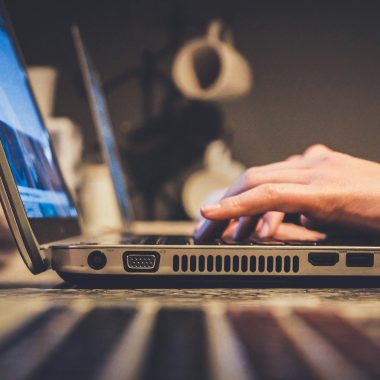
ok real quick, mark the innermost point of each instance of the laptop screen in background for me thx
(103, 126)
(26, 141)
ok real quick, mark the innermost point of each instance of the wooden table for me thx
(50, 330)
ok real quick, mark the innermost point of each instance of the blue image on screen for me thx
(26, 141)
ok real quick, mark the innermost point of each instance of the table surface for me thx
(183, 333)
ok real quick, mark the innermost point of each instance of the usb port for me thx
(323, 259)
(359, 259)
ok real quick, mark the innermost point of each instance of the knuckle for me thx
(237, 203)
(321, 146)
(271, 191)
(331, 158)
(248, 176)
(317, 151)
(317, 148)
(232, 203)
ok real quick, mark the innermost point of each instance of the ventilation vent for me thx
(236, 263)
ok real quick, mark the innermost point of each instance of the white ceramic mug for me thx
(210, 68)
(43, 80)
(100, 210)
(68, 146)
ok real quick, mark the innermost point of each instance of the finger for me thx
(254, 178)
(245, 227)
(259, 224)
(261, 199)
(292, 162)
(288, 231)
(300, 176)
(271, 222)
(229, 231)
(210, 230)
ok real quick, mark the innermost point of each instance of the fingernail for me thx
(263, 231)
(320, 236)
(211, 208)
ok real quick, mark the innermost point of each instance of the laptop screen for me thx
(26, 141)
(103, 126)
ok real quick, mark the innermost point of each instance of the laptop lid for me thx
(103, 126)
(35, 198)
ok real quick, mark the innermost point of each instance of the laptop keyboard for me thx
(188, 240)
(156, 240)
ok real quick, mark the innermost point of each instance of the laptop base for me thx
(93, 281)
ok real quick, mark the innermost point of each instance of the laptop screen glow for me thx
(26, 141)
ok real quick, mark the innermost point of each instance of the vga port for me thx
(142, 261)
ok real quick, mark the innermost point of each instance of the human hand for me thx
(323, 186)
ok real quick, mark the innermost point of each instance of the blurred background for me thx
(316, 80)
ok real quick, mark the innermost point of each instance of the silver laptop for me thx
(45, 225)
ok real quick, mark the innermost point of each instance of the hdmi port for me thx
(323, 259)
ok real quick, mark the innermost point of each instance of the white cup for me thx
(100, 210)
(210, 68)
(43, 80)
(68, 146)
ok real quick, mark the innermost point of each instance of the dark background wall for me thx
(316, 65)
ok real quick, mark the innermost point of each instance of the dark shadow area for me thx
(197, 282)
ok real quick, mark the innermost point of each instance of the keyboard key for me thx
(176, 240)
(266, 241)
(209, 242)
(301, 242)
(151, 240)
(132, 239)
(230, 241)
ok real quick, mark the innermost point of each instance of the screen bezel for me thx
(44, 229)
